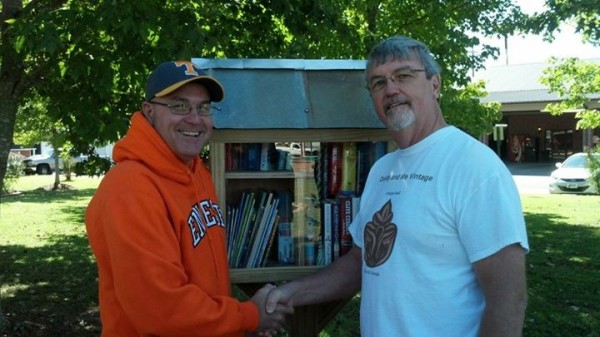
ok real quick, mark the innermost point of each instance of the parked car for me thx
(44, 163)
(573, 176)
(295, 149)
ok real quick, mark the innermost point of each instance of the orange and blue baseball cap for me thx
(170, 76)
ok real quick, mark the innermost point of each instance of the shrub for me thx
(594, 162)
(93, 166)
(14, 170)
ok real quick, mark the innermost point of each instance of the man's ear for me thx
(147, 111)
(436, 83)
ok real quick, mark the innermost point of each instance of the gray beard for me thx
(397, 121)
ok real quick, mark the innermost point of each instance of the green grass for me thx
(48, 283)
(47, 273)
(563, 267)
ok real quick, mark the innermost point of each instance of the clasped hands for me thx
(273, 305)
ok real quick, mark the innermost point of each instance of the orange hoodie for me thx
(158, 235)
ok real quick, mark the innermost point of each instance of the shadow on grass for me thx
(39, 196)
(50, 290)
(563, 269)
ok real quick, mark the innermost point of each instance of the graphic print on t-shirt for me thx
(380, 235)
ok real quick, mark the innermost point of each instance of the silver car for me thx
(573, 175)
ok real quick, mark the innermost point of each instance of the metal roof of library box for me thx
(291, 93)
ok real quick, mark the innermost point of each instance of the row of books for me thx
(252, 225)
(343, 168)
(260, 225)
(256, 157)
(336, 216)
(341, 174)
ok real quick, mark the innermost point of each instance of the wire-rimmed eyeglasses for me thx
(399, 76)
(184, 108)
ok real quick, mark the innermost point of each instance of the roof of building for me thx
(519, 83)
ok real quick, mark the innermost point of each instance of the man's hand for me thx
(273, 320)
(278, 296)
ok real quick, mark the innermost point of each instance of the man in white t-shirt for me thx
(440, 239)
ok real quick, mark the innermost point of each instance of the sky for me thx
(532, 48)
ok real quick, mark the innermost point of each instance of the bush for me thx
(2, 320)
(93, 166)
(14, 170)
(594, 162)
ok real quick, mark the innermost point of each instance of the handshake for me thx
(273, 305)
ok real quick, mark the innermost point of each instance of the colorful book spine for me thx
(267, 254)
(285, 243)
(327, 221)
(285, 240)
(348, 181)
(252, 157)
(322, 171)
(265, 157)
(334, 178)
(345, 220)
(335, 229)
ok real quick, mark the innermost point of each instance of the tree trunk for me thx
(10, 75)
(56, 169)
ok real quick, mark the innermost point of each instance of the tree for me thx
(573, 80)
(33, 126)
(583, 13)
(89, 59)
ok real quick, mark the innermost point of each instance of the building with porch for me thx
(532, 134)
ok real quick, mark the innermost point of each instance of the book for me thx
(334, 172)
(233, 228)
(269, 249)
(248, 214)
(335, 228)
(237, 156)
(285, 241)
(322, 171)
(327, 221)
(282, 158)
(348, 179)
(252, 156)
(253, 228)
(379, 150)
(262, 226)
(363, 165)
(355, 206)
(265, 157)
(345, 220)
(264, 235)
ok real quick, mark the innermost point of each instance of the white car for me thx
(572, 176)
(45, 164)
(295, 149)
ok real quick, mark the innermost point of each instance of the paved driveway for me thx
(531, 178)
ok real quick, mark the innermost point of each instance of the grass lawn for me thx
(48, 279)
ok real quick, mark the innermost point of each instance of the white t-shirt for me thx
(427, 213)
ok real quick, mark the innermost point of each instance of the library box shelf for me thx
(280, 102)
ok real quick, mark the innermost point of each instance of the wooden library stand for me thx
(307, 321)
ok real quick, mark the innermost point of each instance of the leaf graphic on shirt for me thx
(380, 235)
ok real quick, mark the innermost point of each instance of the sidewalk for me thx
(531, 169)
(531, 178)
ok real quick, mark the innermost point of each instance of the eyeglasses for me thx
(399, 76)
(203, 109)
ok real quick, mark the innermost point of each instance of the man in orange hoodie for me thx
(156, 228)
